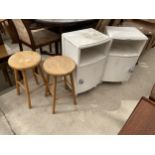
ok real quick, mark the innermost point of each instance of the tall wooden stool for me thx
(22, 61)
(60, 66)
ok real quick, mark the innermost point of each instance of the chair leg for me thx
(50, 48)
(26, 88)
(54, 93)
(34, 75)
(16, 80)
(41, 50)
(7, 75)
(20, 46)
(60, 47)
(56, 48)
(73, 88)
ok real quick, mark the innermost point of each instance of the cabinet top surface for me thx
(86, 37)
(125, 33)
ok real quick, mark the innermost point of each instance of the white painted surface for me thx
(89, 49)
(85, 38)
(127, 45)
(125, 33)
(89, 76)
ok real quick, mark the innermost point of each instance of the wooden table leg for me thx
(16, 80)
(54, 93)
(26, 88)
(73, 88)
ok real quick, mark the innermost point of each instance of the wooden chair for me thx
(3, 62)
(35, 38)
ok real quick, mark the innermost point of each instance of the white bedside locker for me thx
(89, 49)
(127, 45)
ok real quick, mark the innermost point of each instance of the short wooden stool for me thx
(21, 61)
(60, 66)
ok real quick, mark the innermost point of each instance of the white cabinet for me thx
(89, 49)
(127, 45)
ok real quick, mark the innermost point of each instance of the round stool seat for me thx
(59, 65)
(24, 60)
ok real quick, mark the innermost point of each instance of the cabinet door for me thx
(89, 76)
(119, 69)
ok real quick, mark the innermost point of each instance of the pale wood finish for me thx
(54, 93)
(35, 76)
(59, 65)
(73, 87)
(27, 88)
(16, 80)
(47, 92)
(24, 60)
(44, 80)
(65, 81)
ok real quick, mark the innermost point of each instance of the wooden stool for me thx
(60, 66)
(21, 61)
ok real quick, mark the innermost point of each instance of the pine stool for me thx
(22, 61)
(60, 66)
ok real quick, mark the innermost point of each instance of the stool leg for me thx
(65, 82)
(47, 91)
(26, 88)
(44, 80)
(54, 93)
(34, 75)
(16, 80)
(73, 88)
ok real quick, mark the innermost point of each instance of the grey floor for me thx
(103, 110)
